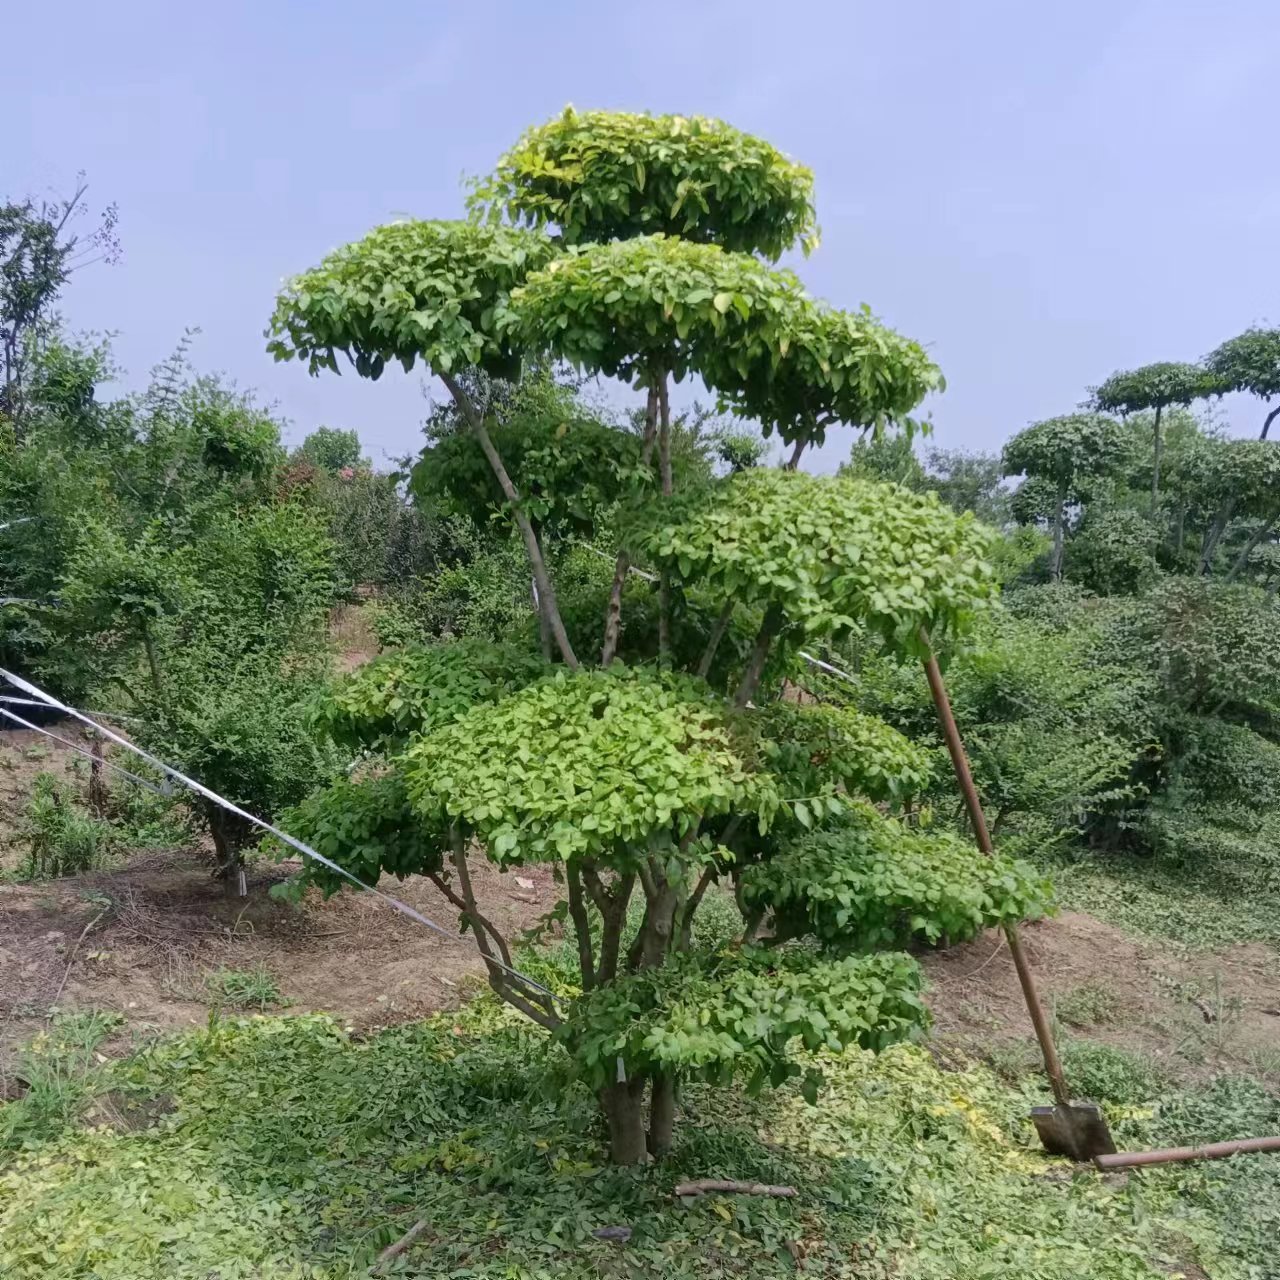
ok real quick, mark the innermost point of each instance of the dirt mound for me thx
(1198, 1013)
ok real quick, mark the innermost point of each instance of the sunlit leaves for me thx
(606, 175)
(587, 764)
(435, 291)
(833, 553)
(635, 308)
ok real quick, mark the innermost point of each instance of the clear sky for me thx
(1041, 193)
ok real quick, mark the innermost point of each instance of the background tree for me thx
(1250, 362)
(332, 449)
(1155, 387)
(1065, 453)
(39, 249)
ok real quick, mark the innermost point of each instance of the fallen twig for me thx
(701, 1186)
(66, 973)
(396, 1249)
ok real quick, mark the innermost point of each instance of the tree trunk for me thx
(544, 623)
(1059, 523)
(1271, 417)
(794, 461)
(623, 1107)
(1243, 558)
(546, 592)
(581, 923)
(1155, 464)
(613, 614)
(662, 1114)
(713, 641)
(664, 467)
(1214, 534)
(769, 628)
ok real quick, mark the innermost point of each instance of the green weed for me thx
(61, 838)
(1088, 1005)
(53, 1079)
(244, 988)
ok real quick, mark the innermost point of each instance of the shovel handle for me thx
(978, 820)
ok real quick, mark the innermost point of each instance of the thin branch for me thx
(701, 1186)
(691, 907)
(664, 466)
(546, 591)
(613, 612)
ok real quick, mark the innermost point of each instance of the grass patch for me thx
(1142, 896)
(244, 988)
(285, 1149)
(1088, 1005)
(53, 1079)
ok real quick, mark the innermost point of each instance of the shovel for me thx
(1075, 1129)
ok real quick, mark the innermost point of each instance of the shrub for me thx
(61, 837)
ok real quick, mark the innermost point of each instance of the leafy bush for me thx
(1105, 1073)
(61, 838)
(873, 882)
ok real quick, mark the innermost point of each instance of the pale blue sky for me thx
(1040, 193)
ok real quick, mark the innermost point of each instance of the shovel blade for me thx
(1078, 1130)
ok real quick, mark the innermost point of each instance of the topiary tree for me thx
(1065, 453)
(1249, 362)
(646, 783)
(1154, 386)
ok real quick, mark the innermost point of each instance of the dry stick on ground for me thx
(702, 1186)
(393, 1251)
(84, 933)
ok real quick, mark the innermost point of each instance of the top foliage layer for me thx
(430, 290)
(1067, 448)
(606, 175)
(1248, 362)
(833, 554)
(1167, 382)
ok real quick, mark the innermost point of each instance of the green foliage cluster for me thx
(873, 882)
(755, 1014)
(415, 689)
(585, 765)
(816, 749)
(832, 555)
(436, 291)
